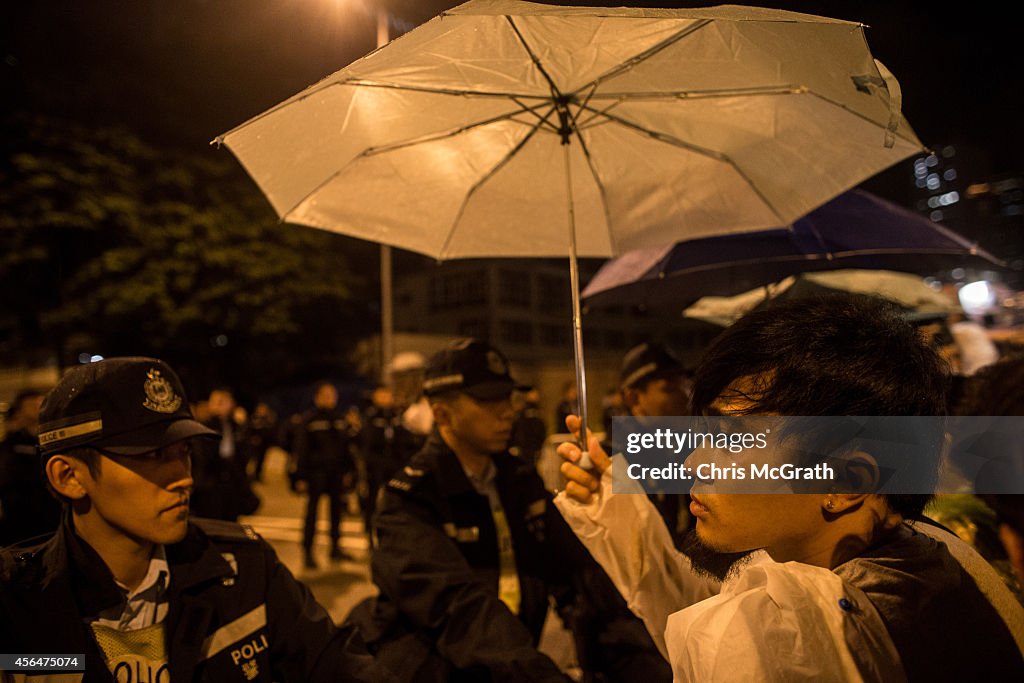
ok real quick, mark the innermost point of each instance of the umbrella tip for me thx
(219, 140)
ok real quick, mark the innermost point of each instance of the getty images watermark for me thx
(772, 454)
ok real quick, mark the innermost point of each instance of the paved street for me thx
(339, 586)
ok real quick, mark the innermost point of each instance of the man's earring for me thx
(829, 504)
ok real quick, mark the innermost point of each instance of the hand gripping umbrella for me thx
(508, 128)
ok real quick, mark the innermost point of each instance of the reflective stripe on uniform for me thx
(64, 433)
(508, 578)
(234, 631)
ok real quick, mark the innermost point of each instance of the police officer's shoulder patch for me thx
(222, 530)
(412, 478)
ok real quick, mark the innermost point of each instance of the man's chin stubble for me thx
(709, 562)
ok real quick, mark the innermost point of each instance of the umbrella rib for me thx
(595, 114)
(373, 84)
(654, 49)
(860, 116)
(717, 156)
(487, 176)
(439, 91)
(579, 110)
(815, 257)
(818, 236)
(555, 92)
(531, 110)
(782, 89)
(811, 257)
(661, 137)
(601, 189)
(372, 151)
(370, 84)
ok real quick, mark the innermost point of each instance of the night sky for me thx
(178, 73)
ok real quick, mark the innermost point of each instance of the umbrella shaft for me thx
(577, 318)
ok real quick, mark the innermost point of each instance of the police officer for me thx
(222, 488)
(325, 467)
(469, 544)
(128, 581)
(528, 429)
(654, 384)
(26, 507)
(385, 444)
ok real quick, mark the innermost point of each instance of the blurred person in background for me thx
(654, 383)
(612, 406)
(998, 390)
(324, 467)
(406, 377)
(386, 445)
(26, 507)
(528, 429)
(222, 489)
(261, 435)
(567, 406)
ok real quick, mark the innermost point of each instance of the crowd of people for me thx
(144, 570)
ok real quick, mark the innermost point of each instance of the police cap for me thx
(128, 406)
(472, 367)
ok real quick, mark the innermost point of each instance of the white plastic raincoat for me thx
(768, 622)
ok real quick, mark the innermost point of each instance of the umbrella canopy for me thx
(500, 126)
(855, 230)
(909, 291)
(677, 123)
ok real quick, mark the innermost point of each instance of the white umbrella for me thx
(909, 291)
(508, 128)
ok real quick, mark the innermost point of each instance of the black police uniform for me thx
(528, 434)
(385, 444)
(235, 611)
(324, 460)
(438, 617)
(26, 508)
(222, 488)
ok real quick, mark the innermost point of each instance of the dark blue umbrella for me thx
(855, 230)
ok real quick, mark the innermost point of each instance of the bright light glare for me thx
(976, 297)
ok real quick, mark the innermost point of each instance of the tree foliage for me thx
(142, 250)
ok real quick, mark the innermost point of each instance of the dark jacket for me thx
(437, 566)
(222, 489)
(26, 507)
(323, 449)
(386, 444)
(231, 603)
